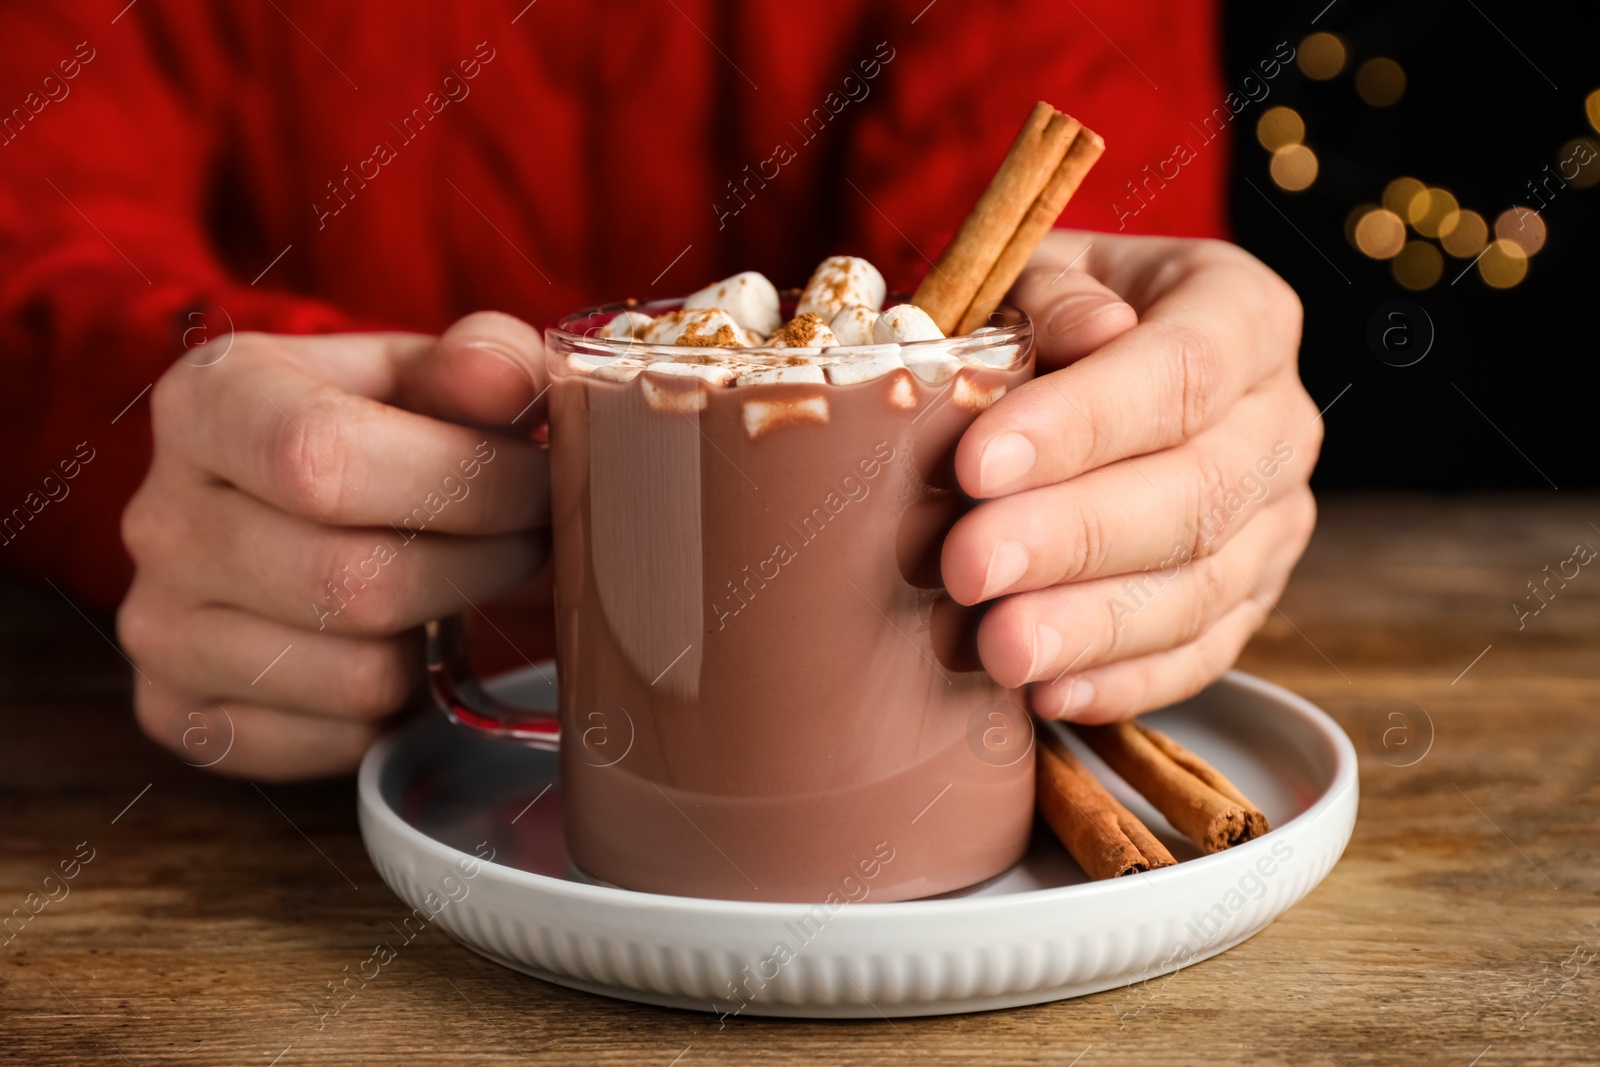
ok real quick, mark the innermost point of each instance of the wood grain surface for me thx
(1461, 927)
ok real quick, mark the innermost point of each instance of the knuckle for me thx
(1208, 594)
(1274, 301)
(1281, 305)
(1314, 428)
(1212, 485)
(1114, 624)
(367, 596)
(1212, 254)
(139, 628)
(306, 461)
(1270, 299)
(146, 533)
(1316, 432)
(1088, 549)
(1195, 379)
(1303, 520)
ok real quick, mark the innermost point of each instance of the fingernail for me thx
(499, 350)
(1046, 648)
(1073, 312)
(1007, 564)
(1006, 458)
(1079, 694)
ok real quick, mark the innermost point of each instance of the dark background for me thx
(1481, 119)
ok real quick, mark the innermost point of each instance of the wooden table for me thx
(1461, 927)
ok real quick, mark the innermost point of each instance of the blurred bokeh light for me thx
(1321, 56)
(1381, 82)
(1503, 264)
(1397, 195)
(1579, 157)
(1380, 233)
(1432, 212)
(1418, 266)
(1467, 237)
(1279, 127)
(1522, 227)
(1294, 167)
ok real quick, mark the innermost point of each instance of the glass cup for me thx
(764, 692)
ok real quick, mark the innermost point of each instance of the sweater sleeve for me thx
(112, 132)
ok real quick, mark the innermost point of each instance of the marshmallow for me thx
(992, 355)
(779, 357)
(806, 330)
(989, 351)
(626, 324)
(697, 327)
(625, 369)
(592, 362)
(863, 364)
(584, 362)
(748, 297)
(763, 415)
(905, 322)
(902, 394)
(840, 282)
(715, 373)
(935, 369)
(680, 399)
(974, 397)
(853, 325)
(809, 375)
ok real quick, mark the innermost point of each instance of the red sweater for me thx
(300, 167)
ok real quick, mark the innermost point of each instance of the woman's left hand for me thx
(1145, 497)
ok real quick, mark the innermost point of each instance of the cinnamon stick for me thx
(1106, 839)
(947, 291)
(1083, 153)
(1193, 796)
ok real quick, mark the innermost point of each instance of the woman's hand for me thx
(310, 501)
(1145, 497)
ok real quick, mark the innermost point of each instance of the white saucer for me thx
(433, 795)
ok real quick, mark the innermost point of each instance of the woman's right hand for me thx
(311, 501)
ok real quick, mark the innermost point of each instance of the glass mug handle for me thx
(462, 697)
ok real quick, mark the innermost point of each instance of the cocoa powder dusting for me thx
(798, 332)
(723, 338)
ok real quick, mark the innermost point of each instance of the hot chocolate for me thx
(765, 694)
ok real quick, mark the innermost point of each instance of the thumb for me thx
(486, 370)
(1073, 312)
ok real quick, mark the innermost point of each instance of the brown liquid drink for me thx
(765, 693)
